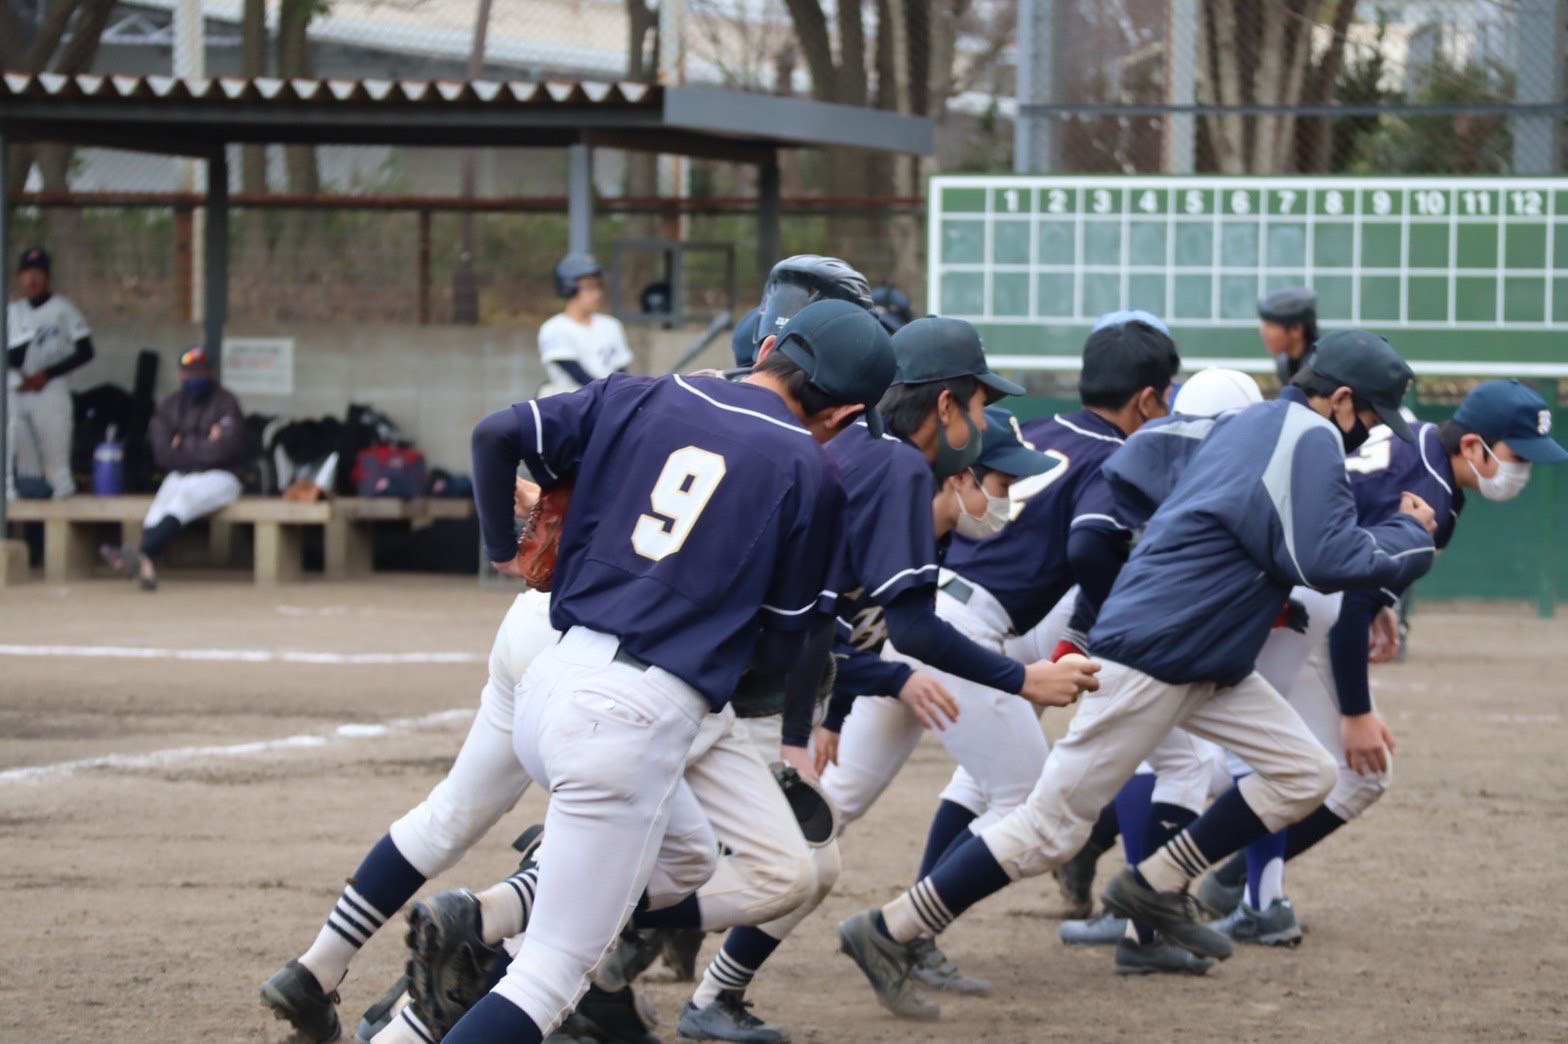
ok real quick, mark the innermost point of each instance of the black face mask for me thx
(1354, 437)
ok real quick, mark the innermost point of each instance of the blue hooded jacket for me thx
(1261, 505)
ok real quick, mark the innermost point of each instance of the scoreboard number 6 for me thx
(688, 481)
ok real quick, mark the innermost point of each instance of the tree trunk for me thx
(294, 17)
(811, 28)
(1317, 136)
(253, 64)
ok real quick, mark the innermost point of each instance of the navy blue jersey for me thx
(1025, 566)
(890, 544)
(702, 514)
(1385, 466)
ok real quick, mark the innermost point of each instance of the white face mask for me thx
(978, 527)
(1508, 483)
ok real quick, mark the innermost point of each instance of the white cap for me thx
(1213, 391)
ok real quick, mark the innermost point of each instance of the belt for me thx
(959, 590)
(622, 656)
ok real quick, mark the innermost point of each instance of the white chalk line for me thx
(176, 755)
(120, 652)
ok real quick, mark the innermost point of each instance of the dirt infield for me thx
(152, 876)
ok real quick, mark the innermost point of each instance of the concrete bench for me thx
(278, 528)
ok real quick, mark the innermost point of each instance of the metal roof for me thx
(199, 116)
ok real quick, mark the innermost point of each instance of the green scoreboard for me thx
(1464, 275)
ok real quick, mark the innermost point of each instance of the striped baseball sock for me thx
(735, 965)
(380, 886)
(1228, 825)
(504, 909)
(962, 879)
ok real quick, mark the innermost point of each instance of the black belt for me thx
(959, 590)
(622, 656)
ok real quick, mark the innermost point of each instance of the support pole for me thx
(1181, 73)
(579, 199)
(1546, 563)
(1034, 147)
(216, 260)
(5, 337)
(424, 267)
(768, 247)
(1538, 51)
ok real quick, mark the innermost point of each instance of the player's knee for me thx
(1353, 793)
(1318, 784)
(784, 885)
(829, 864)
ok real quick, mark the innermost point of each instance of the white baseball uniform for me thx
(39, 427)
(598, 346)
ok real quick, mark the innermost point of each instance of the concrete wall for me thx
(436, 382)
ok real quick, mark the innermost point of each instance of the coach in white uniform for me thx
(579, 345)
(48, 339)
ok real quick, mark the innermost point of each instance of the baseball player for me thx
(1500, 429)
(651, 646)
(48, 339)
(199, 437)
(1263, 505)
(579, 345)
(1288, 324)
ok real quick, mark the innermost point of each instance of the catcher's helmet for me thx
(797, 281)
(571, 268)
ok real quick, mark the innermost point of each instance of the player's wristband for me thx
(1063, 648)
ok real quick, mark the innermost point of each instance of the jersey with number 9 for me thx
(702, 512)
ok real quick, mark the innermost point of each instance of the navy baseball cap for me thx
(939, 349)
(34, 257)
(1122, 316)
(1511, 412)
(1290, 306)
(1368, 365)
(1002, 447)
(845, 352)
(743, 341)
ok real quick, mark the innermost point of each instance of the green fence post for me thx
(1546, 564)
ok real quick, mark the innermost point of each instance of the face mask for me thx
(1508, 483)
(978, 527)
(998, 511)
(1354, 437)
(196, 387)
(951, 460)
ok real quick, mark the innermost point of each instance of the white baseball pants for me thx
(39, 434)
(1125, 722)
(189, 495)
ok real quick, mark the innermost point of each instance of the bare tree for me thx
(294, 18)
(253, 64)
(48, 49)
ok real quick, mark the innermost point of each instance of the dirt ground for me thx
(152, 876)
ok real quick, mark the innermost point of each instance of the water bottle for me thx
(109, 466)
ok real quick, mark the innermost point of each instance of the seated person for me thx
(198, 436)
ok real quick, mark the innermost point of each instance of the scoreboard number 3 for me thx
(684, 487)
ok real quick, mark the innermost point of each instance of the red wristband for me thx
(1064, 647)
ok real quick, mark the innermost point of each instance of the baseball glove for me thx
(541, 539)
(814, 810)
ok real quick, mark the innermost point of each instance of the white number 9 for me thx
(688, 480)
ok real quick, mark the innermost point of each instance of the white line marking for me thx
(118, 652)
(165, 758)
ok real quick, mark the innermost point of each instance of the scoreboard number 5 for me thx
(688, 481)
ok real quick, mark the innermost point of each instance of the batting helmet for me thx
(571, 268)
(797, 281)
(743, 342)
(891, 301)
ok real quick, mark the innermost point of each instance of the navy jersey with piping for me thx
(1026, 566)
(702, 514)
(1264, 504)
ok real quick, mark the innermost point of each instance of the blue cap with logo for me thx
(34, 257)
(1122, 316)
(1002, 447)
(1510, 411)
(937, 348)
(845, 352)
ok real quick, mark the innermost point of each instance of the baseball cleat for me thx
(729, 1018)
(887, 965)
(1105, 930)
(1276, 926)
(1218, 898)
(634, 952)
(382, 1012)
(1076, 880)
(621, 1016)
(297, 998)
(1158, 957)
(448, 962)
(933, 968)
(680, 947)
(1172, 914)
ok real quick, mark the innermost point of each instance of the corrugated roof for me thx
(226, 89)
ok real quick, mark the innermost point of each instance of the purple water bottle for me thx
(109, 466)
